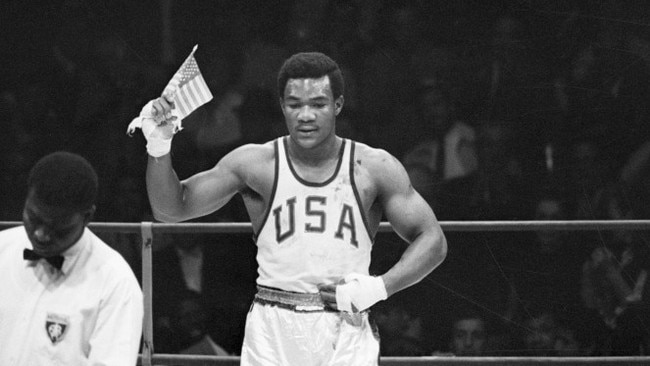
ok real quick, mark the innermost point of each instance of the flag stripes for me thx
(191, 90)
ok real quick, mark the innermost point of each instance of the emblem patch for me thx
(56, 326)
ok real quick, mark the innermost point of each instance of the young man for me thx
(469, 335)
(67, 297)
(315, 201)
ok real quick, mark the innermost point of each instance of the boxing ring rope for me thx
(197, 360)
(147, 231)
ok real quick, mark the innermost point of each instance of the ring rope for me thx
(200, 360)
(458, 226)
(147, 230)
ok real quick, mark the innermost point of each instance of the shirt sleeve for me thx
(117, 333)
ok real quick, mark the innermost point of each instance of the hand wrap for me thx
(359, 292)
(157, 131)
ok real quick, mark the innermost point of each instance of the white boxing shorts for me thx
(287, 329)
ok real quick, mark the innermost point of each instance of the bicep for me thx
(408, 213)
(208, 191)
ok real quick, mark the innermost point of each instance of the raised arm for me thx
(412, 219)
(173, 200)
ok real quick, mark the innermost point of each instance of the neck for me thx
(316, 156)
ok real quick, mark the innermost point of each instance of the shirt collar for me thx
(71, 255)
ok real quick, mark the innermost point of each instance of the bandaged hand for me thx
(359, 292)
(159, 122)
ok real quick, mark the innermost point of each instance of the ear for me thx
(338, 105)
(89, 215)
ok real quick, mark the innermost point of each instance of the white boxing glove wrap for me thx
(157, 132)
(157, 144)
(359, 292)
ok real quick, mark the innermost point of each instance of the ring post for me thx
(146, 230)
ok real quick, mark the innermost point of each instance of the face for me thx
(52, 230)
(310, 111)
(469, 337)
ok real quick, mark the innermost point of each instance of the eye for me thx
(293, 105)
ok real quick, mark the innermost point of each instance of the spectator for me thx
(496, 189)
(401, 330)
(614, 282)
(469, 335)
(443, 143)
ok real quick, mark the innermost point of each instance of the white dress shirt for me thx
(88, 313)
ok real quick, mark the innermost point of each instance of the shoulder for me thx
(378, 163)
(250, 154)
(109, 263)
(256, 150)
(12, 239)
(13, 233)
(371, 155)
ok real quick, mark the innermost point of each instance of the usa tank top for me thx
(313, 232)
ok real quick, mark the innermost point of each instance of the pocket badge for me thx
(56, 327)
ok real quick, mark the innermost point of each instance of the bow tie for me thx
(56, 260)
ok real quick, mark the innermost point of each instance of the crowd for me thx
(514, 111)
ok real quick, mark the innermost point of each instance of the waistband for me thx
(296, 301)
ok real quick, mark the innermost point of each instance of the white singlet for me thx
(314, 232)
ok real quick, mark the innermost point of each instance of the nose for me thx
(305, 114)
(41, 234)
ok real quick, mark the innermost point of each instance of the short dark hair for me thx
(64, 180)
(311, 65)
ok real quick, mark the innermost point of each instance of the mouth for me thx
(306, 130)
(41, 247)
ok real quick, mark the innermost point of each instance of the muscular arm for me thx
(173, 200)
(413, 219)
(385, 182)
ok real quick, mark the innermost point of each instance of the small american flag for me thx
(189, 87)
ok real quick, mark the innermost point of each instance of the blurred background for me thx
(499, 110)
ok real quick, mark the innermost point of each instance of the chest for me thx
(50, 307)
(313, 201)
